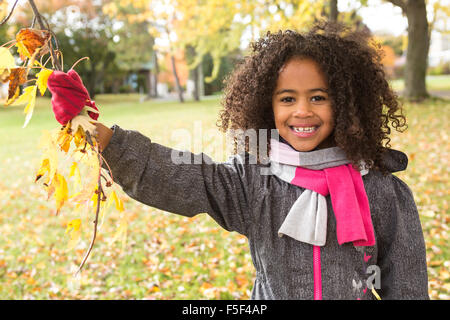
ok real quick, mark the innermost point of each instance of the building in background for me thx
(439, 49)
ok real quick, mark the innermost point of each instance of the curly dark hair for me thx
(362, 100)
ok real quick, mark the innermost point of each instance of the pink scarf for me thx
(329, 177)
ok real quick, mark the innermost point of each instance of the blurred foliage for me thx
(227, 63)
(442, 68)
(119, 35)
(395, 42)
(86, 34)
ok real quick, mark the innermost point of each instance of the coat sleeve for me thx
(152, 174)
(401, 249)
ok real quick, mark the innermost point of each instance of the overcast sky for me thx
(378, 15)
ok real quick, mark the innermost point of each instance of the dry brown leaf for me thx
(17, 77)
(29, 40)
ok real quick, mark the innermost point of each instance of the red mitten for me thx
(69, 96)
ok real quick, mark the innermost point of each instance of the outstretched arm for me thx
(146, 172)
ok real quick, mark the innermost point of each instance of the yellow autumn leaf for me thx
(83, 121)
(111, 198)
(50, 188)
(64, 139)
(121, 232)
(61, 191)
(42, 79)
(74, 224)
(6, 59)
(30, 41)
(22, 50)
(75, 172)
(16, 78)
(75, 233)
(48, 144)
(74, 239)
(94, 199)
(45, 167)
(6, 64)
(85, 194)
(75, 195)
(28, 96)
(30, 106)
(13, 97)
(118, 202)
(79, 138)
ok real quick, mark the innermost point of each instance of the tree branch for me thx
(99, 199)
(9, 15)
(399, 3)
(42, 26)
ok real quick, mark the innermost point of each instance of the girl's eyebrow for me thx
(295, 91)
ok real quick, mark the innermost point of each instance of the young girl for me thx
(327, 219)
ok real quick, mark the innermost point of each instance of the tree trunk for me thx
(155, 75)
(417, 51)
(194, 74)
(196, 84)
(177, 80)
(116, 86)
(148, 82)
(333, 10)
(201, 81)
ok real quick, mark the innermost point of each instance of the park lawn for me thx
(434, 83)
(167, 256)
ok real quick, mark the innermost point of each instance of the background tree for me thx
(210, 27)
(195, 73)
(83, 30)
(417, 50)
(132, 42)
(334, 10)
(440, 17)
(213, 31)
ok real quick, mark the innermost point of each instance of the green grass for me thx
(434, 83)
(168, 256)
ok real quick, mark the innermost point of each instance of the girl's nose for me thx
(303, 109)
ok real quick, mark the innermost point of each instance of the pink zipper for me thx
(317, 274)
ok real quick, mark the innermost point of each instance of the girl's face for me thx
(301, 106)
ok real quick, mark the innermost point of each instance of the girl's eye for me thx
(287, 99)
(318, 98)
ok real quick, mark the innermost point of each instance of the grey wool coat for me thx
(240, 199)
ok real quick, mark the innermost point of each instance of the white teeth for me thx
(304, 129)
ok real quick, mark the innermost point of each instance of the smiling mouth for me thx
(304, 129)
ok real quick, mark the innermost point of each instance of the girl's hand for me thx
(69, 96)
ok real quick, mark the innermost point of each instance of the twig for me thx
(44, 64)
(42, 26)
(100, 191)
(33, 22)
(108, 183)
(81, 59)
(10, 41)
(109, 168)
(53, 35)
(9, 15)
(88, 138)
(99, 199)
